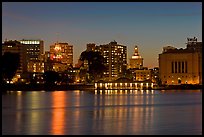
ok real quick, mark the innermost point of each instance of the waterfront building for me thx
(73, 73)
(115, 59)
(143, 74)
(155, 75)
(182, 66)
(62, 53)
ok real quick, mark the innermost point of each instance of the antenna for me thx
(57, 37)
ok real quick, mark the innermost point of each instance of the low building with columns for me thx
(181, 66)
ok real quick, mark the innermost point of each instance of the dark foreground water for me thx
(110, 112)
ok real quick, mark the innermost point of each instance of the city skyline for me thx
(150, 25)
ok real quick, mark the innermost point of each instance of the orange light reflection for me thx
(58, 113)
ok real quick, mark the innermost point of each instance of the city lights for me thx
(132, 68)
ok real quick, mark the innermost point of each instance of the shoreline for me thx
(50, 87)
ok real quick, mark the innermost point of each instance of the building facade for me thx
(62, 53)
(143, 74)
(115, 59)
(136, 61)
(34, 52)
(34, 49)
(36, 66)
(182, 66)
(139, 72)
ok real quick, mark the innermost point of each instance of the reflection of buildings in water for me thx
(122, 112)
(58, 113)
(32, 117)
(18, 114)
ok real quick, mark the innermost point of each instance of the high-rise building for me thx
(61, 54)
(34, 51)
(136, 61)
(34, 48)
(182, 66)
(16, 47)
(115, 59)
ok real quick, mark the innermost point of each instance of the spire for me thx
(136, 53)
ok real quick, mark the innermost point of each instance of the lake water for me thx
(123, 112)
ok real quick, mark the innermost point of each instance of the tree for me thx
(96, 65)
(51, 77)
(128, 74)
(10, 64)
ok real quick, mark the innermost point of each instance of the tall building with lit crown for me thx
(182, 66)
(115, 59)
(62, 54)
(136, 61)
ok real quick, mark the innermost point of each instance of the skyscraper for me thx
(115, 59)
(34, 51)
(34, 48)
(62, 52)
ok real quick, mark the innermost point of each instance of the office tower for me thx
(62, 52)
(115, 59)
(61, 55)
(34, 51)
(35, 48)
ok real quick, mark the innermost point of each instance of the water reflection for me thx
(102, 112)
(58, 113)
(123, 111)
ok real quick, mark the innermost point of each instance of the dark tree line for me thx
(10, 64)
(96, 65)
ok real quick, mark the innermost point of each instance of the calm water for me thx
(110, 112)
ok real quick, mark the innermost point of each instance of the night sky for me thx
(150, 26)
